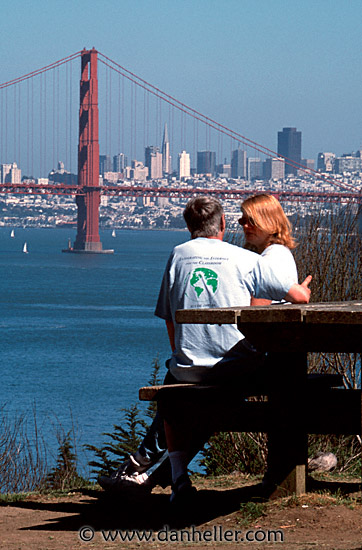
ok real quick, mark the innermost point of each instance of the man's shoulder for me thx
(187, 245)
(204, 247)
(237, 248)
(239, 251)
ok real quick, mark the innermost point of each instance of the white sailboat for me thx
(25, 248)
(12, 234)
(113, 233)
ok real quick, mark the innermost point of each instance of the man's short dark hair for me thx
(203, 216)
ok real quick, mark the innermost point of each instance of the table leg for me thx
(288, 442)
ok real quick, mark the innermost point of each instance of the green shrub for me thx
(227, 452)
(64, 476)
(124, 440)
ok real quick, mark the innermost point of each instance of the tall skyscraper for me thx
(166, 159)
(119, 162)
(4, 171)
(183, 166)
(255, 169)
(206, 162)
(153, 161)
(238, 164)
(290, 147)
(105, 164)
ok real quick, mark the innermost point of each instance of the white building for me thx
(156, 166)
(10, 173)
(274, 168)
(137, 171)
(183, 165)
(111, 177)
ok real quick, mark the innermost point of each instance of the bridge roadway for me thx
(180, 192)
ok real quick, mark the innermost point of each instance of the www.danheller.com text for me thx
(217, 533)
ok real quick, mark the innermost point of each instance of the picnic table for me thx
(294, 405)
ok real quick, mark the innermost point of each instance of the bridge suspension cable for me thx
(30, 119)
(40, 71)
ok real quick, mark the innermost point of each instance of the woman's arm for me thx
(259, 302)
(299, 294)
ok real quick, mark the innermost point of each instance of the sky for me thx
(255, 66)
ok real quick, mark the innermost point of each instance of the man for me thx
(203, 272)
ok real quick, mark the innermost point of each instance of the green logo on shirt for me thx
(201, 278)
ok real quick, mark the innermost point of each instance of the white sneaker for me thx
(132, 474)
(125, 482)
(136, 464)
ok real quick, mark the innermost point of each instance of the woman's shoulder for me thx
(277, 250)
(279, 258)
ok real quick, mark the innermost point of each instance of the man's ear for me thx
(222, 223)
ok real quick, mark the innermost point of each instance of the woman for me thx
(268, 232)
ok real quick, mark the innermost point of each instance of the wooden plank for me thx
(324, 313)
(210, 316)
(324, 414)
(293, 482)
(334, 411)
(150, 393)
(335, 316)
(215, 415)
(323, 410)
(303, 337)
(250, 314)
(271, 314)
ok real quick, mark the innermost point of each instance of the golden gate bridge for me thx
(87, 189)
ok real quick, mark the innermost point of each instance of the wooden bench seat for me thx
(326, 409)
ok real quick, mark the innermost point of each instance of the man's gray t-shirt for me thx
(203, 273)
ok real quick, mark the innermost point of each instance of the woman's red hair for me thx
(266, 212)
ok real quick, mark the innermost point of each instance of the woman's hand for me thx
(300, 294)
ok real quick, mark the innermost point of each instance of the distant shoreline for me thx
(129, 228)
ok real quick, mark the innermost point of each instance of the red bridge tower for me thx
(88, 196)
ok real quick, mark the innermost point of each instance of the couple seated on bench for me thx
(207, 272)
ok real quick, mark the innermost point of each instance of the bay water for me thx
(78, 333)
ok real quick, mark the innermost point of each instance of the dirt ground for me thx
(228, 513)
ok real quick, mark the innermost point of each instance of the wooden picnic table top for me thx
(321, 312)
(323, 326)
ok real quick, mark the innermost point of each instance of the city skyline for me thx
(157, 163)
(252, 66)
